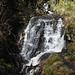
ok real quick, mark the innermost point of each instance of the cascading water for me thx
(42, 36)
(46, 6)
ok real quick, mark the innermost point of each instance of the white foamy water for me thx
(41, 37)
(45, 6)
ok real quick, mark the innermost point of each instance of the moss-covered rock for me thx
(71, 48)
(54, 66)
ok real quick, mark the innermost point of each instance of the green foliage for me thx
(64, 8)
(2, 63)
(54, 66)
(6, 68)
(53, 58)
(71, 48)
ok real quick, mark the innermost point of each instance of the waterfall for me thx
(44, 34)
(41, 37)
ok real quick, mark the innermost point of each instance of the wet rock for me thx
(50, 40)
(47, 23)
(68, 37)
(55, 25)
(51, 22)
(23, 33)
(56, 16)
(45, 56)
(42, 23)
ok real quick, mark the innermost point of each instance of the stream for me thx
(43, 35)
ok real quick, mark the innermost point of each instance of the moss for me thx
(65, 8)
(50, 72)
(8, 66)
(52, 58)
(71, 48)
(54, 66)
(57, 68)
(69, 58)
